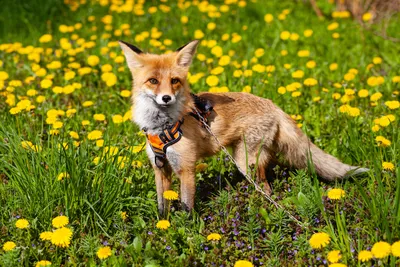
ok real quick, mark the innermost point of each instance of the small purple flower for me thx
(206, 248)
(105, 243)
(149, 232)
(167, 247)
(235, 232)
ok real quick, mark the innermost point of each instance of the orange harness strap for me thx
(160, 143)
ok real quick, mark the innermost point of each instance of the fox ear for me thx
(132, 55)
(186, 52)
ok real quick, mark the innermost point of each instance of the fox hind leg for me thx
(263, 160)
(251, 157)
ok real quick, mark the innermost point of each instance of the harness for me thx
(159, 143)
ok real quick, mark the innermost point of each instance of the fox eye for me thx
(174, 81)
(153, 81)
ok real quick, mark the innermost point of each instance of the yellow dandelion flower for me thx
(117, 119)
(163, 224)
(46, 235)
(124, 216)
(93, 60)
(364, 256)
(60, 221)
(198, 34)
(310, 82)
(45, 38)
(396, 249)
(285, 35)
(243, 263)
(354, 112)
(296, 94)
(62, 176)
(375, 97)
(62, 237)
(303, 53)
(104, 252)
(22, 223)
(9, 245)
(336, 193)
(388, 166)
(212, 80)
(281, 90)
(381, 250)
(298, 74)
(363, 93)
(99, 117)
(308, 33)
(384, 121)
(334, 256)
(125, 93)
(392, 104)
(268, 18)
(337, 265)
(319, 240)
(375, 128)
(3, 76)
(367, 16)
(333, 26)
(94, 135)
(214, 237)
(170, 195)
(43, 263)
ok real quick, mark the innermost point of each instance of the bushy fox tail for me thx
(299, 150)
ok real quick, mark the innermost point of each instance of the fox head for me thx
(161, 77)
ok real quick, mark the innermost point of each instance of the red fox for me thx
(254, 127)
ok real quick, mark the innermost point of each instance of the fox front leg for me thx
(163, 183)
(188, 188)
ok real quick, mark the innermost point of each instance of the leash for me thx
(248, 177)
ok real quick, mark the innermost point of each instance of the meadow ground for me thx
(77, 189)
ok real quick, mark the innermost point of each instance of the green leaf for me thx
(137, 244)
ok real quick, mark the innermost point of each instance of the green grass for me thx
(104, 181)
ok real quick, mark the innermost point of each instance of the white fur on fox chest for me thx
(149, 115)
(173, 157)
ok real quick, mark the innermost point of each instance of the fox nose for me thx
(166, 98)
